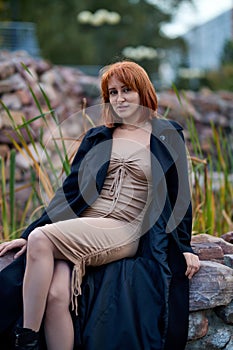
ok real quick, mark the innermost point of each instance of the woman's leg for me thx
(38, 276)
(59, 332)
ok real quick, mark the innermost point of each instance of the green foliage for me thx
(227, 55)
(64, 40)
(213, 189)
(211, 179)
(221, 79)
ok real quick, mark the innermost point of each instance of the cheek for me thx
(112, 100)
(136, 98)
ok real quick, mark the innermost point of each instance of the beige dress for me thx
(110, 229)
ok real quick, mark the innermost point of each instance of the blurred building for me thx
(204, 51)
(205, 42)
(19, 36)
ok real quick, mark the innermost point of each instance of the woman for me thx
(121, 202)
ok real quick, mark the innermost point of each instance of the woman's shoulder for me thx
(163, 124)
(97, 131)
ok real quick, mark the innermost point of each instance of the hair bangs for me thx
(135, 77)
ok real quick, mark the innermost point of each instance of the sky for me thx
(189, 16)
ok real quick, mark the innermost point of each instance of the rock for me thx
(7, 69)
(208, 251)
(42, 66)
(216, 118)
(218, 340)
(225, 313)
(230, 344)
(12, 101)
(13, 83)
(24, 96)
(5, 121)
(49, 77)
(203, 238)
(216, 329)
(198, 325)
(177, 109)
(212, 286)
(228, 260)
(228, 237)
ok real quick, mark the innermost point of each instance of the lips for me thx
(121, 108)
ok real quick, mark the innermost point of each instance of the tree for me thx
(64, 40)
(227, 55)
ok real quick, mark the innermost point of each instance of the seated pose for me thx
(109, 260)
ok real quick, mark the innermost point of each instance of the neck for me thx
(129, 126)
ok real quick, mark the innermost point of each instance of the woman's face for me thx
(124, 101)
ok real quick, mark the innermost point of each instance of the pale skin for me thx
(46, 286)
(46, 289)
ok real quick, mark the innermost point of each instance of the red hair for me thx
(135, 77)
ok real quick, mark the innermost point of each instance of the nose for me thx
(120, 97)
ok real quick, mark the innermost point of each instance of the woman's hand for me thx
(193, 264)
(18, 243)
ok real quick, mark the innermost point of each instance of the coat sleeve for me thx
(179, 194)
(60, 206)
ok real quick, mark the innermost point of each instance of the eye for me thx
(126, 89)
(112, 92)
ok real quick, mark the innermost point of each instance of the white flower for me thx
(85, 17)
(140, 52)
(113, 18)
(99, 18)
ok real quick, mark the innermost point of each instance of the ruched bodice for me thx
(127, 187)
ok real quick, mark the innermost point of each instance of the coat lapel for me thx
(163, 155)
(96, 163)
(94, 167)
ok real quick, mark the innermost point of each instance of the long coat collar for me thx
(158, 126)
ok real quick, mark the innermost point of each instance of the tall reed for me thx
(211, 175)
(212, 185)
(41, 170)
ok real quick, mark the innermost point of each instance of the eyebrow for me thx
(113, 88)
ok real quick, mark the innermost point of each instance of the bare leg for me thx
(59, 330)
(38, 276)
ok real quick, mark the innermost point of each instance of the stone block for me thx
(228, 260)
(225, 313)
(208, 251)
(217, 340)
(212, 286)
(204, 238)
(198, 325)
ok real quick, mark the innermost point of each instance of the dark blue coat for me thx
(138, 303)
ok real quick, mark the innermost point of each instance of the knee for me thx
(58, 297)
(38, 244)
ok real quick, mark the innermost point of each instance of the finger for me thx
(192, 270)
(3, 245)
(188, 271)
(20, 252)
(4, 250)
